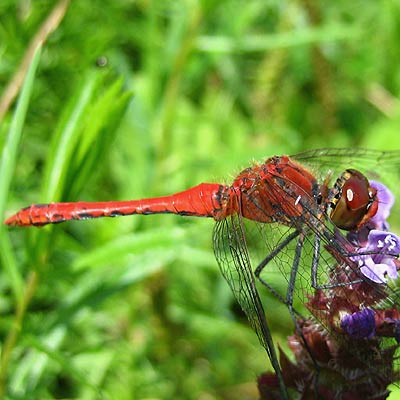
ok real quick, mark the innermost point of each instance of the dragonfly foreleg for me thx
(341, 258)
(315, 261)
(267, 259)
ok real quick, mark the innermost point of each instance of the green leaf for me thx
(7, 167)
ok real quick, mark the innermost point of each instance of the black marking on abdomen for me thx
(150, 212)
(116, 213)
(87, 216)
(57, 218)
(39, 224)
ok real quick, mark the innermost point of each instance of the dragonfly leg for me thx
(267, 259)
(315, 261)
(340, 258)
(289, 303)
(336, 252)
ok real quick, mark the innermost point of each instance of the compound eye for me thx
(356, 192)
(352, 207)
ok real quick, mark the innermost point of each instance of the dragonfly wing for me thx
(234, 261)
(350, 157)
(381, 166)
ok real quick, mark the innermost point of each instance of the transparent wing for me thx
(382, 166)
(233, 259)
(350, 158)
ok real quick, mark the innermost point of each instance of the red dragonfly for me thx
(287, 213)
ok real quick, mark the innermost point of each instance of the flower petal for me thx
(360, 324)
(385, 203)
(379, 273)
(376, 258)
(383, 242)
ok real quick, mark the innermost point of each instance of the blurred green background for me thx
(192, 91)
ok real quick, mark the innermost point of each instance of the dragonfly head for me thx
(353, 202)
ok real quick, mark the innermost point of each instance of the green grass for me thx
(194, 91)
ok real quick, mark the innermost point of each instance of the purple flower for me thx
(377, 258)
(360, 324)
(385, 203)
(381, 264)
(377, 248)
(378, 221)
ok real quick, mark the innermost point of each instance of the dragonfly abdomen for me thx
(204, 200)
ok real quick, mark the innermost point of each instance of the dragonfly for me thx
(286, 217)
